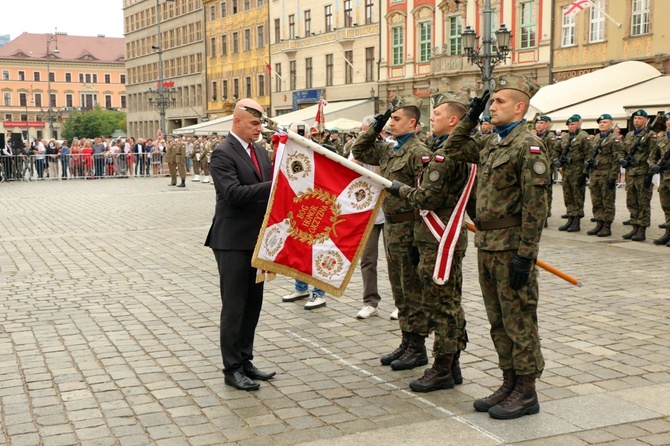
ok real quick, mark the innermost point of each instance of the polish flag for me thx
(577, 6)
(320, 120)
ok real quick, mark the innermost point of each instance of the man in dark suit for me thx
(241, 172)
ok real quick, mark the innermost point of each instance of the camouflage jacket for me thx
(512, 179)
(576, 148)
(661, 148)
(553, 149)
(440, 185)
(404, 165)
(638, 157)
(606, 151)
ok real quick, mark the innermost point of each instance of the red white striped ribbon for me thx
(448, 235)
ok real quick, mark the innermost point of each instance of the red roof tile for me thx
(71, 48)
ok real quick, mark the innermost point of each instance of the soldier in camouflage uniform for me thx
(511, 209)
(196, 157)
(441, 184)
(661, 166)
(602, 162)
(171, 158)
(485, 127)
(335, 141)
(548, 137)
(574, 146)
(402, 161)
(636, 147)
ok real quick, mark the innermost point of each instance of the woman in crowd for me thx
(52, 160)
(76, 165)
(87, 156)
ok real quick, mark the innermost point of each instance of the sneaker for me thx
(295, 295)
(394, 315)
(366, 312)
(315, 301)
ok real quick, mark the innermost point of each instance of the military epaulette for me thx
(425, 159)
(534, 149)
(438, 158)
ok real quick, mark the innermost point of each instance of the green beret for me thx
(544, 118)
(448, 97)
(604, 116)
(573, 118)
(485, 119)
(515, 82)
(640, 112)
(334, 131)
(666, 116)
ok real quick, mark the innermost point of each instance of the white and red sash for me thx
(447, 236)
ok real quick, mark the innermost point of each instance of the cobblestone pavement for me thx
(109, 314)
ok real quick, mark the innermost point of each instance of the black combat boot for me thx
(593, 219)
(437, 377)
(567, 225)
(626, 222)
(497, 397)
(574, 227)
(522, 401)
(456, 368)
(183, 184)
(565, 216)
(640, 235)
(397, 353)
(662, 226)
(414, 356)
(629, 235)
(606, 231)
(665, 238)
(597, 229)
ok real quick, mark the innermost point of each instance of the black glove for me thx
(655, 168)
(611, 183)
(478, 105)
(519, 271)
(381, 120)
(557, 164)
(395, 188)
(581, 180)
(622, 162)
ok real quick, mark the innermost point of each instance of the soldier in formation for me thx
(661, 165)
(548, 137)
(574, 146)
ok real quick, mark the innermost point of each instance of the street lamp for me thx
(161, 98)
(50, 38)
(488, 58)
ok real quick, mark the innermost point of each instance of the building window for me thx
(212, 13)
(52, 98)
(95, 78)
(247, 40)
(7, 98)
(348, 67)
(236, 89)
(398, 45)
(568, 28)
(52, 76)
(348, 16)
(308, 72)
(22, 75)
(597, 21)
(69, 103)
(292, 75)
(329, 18)
(8, 117)
(640, 19)
(224, 10)
(277, 30)
(247, 6)
(108, 78)
(214, 91)
(425, 40)
(308, 22)
(260, 3)
(224, 89)
(88, 78)
(277, 77)
(329, 70)
(528, 24)
(234, 6)
(455, 36)
(38, 99)
(23, 100)
(108, 101)
(123, 101)
(235, 43)
(224, 45)
(212, 47)
(5, 75)
(81, 78)
(291, 26)
(36, 76)
(260, 37)
(247, 84)
(261, 85)
(369, 64)
(369, 11)
(123, 79)
(23, 117)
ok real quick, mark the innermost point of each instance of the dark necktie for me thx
(252, 152)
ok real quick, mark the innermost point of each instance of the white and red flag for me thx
(320, 120)
(322, 208)
(577, 6)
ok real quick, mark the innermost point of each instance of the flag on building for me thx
(576, 7)
(320, 120)
(319, 218)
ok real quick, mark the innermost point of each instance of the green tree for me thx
(92, 123)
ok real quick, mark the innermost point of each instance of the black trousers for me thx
(241, 302)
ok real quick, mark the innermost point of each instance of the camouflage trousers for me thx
(664, 195)
(573, 194)
(638, 200)
(550, 192)
(441, 304)
(602, 198)
(512, 314)
(402, 260)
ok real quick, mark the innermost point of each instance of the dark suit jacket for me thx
(241, 196)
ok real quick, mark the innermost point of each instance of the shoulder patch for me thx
(439, 158)
(534, 149)
(434, 175)
(539, 167)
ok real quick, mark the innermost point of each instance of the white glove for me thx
(197, 156)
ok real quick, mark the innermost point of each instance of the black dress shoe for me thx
(240, 381)
(252, 372)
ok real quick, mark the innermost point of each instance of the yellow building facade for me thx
(237, 54)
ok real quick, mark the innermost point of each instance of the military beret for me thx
(485, 119)
(334, 131)
(604, 116)
(406, 101)
(178, 135)
(640, 112)
(171, 136)
(666, 116)
(544, 118)
(573, 118)
(515, 82)
(448, 97)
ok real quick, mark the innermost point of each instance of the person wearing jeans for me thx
(317, 297)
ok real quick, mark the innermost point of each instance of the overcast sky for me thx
(74, 17)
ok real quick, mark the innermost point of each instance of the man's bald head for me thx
(247, 122)
(248, 106)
